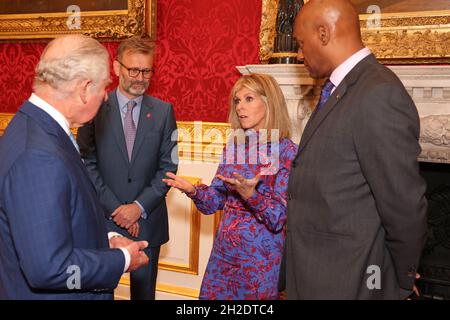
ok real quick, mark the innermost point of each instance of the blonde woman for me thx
(250, 187)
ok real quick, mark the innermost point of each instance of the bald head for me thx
(330, 29)
(339, 15)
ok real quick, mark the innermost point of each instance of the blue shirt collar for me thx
(123, 100)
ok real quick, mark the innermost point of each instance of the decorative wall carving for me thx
(401, 38)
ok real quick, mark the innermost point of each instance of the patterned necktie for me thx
(325, 93)
(129, 128)
(75, 144)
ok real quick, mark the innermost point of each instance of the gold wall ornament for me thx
(138, 19)
(201, 141)
(401, 38)
(267, 34)
(5, 118)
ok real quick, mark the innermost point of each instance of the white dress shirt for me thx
(345, 67)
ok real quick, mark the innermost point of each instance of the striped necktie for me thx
(129, 128)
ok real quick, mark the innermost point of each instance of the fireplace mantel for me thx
(429, 86)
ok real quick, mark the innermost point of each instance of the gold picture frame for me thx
(138, 18)
(401, 38)
(191, 267)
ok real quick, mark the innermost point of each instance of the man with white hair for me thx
(53, 238)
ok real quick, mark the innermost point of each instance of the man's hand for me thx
(126, 215)
(138, 257)
(119, 242)
(134, 230)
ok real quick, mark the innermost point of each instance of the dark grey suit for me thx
(119, 181)
(356, 198)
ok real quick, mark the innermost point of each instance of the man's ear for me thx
(84, 89)
(116, 67)
(324, 34)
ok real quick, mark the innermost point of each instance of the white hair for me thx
(86, 59)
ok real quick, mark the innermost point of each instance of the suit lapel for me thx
(318, 117)
(143, 126)
(49, 125)
(114, 119)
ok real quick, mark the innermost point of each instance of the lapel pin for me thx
(149, 115)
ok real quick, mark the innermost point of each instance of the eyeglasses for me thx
(134, 72)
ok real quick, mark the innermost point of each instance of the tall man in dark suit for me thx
(356, 212)
(128, 149)
(53, 238)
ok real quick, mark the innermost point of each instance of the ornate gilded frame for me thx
(402, 38)
(194, 240)
(139, 18)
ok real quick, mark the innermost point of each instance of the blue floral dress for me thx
(246, 254)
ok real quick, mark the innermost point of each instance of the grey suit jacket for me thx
(356, 210)
(119, 181)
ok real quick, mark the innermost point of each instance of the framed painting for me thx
(101, 19)
(397, 31)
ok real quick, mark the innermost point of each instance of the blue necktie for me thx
(325, 93)
(75, 144)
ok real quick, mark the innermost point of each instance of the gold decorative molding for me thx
(193, 136)
(410, 38)
(197, 141)
(267, 33)
(5, 118)
(194, 240)
(139, 18)
(201, 142)
(177, 290)
(401, 38)
(167, 288)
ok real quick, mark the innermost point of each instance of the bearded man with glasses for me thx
(127, 150)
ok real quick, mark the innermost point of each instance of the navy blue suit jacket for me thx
(120, 181)
(51, 224)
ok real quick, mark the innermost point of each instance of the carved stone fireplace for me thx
(429, 86)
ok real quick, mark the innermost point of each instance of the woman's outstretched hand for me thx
(181, 184)
(245, 187)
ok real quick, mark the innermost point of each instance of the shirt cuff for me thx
(113, 234)
(127, 259)
(143, 212)
(125, 251)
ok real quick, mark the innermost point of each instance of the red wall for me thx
(199, 44)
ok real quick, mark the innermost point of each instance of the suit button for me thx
(294, 164)
(129, 180)
(289, 197)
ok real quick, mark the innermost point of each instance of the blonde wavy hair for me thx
(264, 85)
